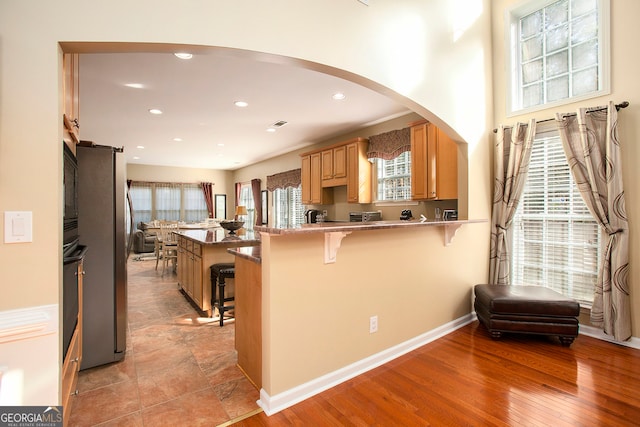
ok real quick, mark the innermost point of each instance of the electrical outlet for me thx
(373, 324)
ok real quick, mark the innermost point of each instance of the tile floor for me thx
(179, 368)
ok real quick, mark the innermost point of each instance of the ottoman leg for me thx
(566, 341)
(496, 335)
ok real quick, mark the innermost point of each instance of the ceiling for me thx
(197, 99)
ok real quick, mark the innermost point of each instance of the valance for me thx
(291, 178)
(389, 145)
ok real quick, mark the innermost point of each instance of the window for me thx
(556, 241)
(559, 52)
(246, 199)
(168, 201)
(287, 204)
(393, 178)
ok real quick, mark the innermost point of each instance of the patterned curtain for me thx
(207, 190)
(389, 145)
(511, 165)
(291, 178)
(255, 191)
(590, 141)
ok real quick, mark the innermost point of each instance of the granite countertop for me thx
(252, 253)
(220, 236)
(327, 227)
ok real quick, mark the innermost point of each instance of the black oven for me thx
(73, 256)
(70, 183)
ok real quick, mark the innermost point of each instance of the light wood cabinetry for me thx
(73, 358)
(312, 191)
(358, 172)
(341, 164)
(191, 274)
(334, 166)
(434, 163)
(71, 93)
(248, 306)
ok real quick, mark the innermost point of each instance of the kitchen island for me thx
(197, 251)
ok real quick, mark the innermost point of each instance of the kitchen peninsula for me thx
(321, 283)
(197, 251)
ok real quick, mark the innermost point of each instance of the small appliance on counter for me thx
(311, 216)
(450, 215)
(406, 215)
(364, 216)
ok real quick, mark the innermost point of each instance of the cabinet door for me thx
(316, 182)
(305, 180)
(71, 91)
(188, 288)
(447, 167)
(198, 297)
(340, 162)
(327, 165)
(358, 174)
(419, 162)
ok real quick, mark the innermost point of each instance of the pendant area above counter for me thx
(334, 232)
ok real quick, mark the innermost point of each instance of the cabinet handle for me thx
(76, 360)
(74, 393)
(76, 124)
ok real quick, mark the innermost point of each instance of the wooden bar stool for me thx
(219, 273)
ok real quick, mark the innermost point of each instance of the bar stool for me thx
(219, 273)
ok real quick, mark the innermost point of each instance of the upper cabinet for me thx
(334, 166)
(312, 191)
(341, 164)
(434, 163)
(71, 91)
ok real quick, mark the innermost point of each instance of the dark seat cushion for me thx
(534, 300)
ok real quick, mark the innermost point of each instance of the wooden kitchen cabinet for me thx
(71, 93)
(434, 163)
(334, 166)
(342, 164)
(312, 191)
(191, 274)
(358, 172)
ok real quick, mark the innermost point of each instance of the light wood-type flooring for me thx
(179, 368)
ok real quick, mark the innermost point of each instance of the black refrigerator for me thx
(103, 219)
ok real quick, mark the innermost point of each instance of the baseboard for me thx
(590, 331)
(280, 401)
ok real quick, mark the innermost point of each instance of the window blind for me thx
(555, 240)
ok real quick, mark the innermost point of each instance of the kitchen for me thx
(339, 208)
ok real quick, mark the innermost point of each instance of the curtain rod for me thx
(623, 104)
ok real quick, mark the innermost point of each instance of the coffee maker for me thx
(311, 215)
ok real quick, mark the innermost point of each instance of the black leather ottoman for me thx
(527, 309)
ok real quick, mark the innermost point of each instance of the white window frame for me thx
(287, 207)
(175, 212)
(246, 199)
(548, 264)
(379, 165)
(513, 56)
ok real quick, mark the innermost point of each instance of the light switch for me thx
(17, 227)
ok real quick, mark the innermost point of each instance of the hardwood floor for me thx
(467, 379)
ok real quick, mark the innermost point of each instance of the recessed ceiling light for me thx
(136, 158)
(241, 104)
(140, 146)
(155, 111)
(271, 130)
(220, 144)
(177, 139)
(183, 55)
(338, 96)
(134, 85)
